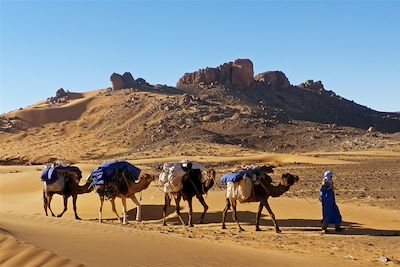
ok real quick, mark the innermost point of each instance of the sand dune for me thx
(14, 252)
(39, 115)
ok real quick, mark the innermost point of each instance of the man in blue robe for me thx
(330, 211)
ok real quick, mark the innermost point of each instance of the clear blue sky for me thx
(352, 46)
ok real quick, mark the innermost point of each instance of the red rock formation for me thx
(242, 73)
(274, 79)
(310, 84)
(238, 73)
(117, 81)
(125, 81)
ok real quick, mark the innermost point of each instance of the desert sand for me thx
(28, 238)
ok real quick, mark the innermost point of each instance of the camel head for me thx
(289, 179)
(148, 178)
(267, 169)
(209, 178)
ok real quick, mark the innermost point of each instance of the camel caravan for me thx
(178, 180)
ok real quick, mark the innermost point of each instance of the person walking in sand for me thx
(330, 211)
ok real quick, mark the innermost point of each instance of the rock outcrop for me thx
(60, 93)
(273, 79)
(117, 81)
(125, 81)
(238, 73)
(310, 84)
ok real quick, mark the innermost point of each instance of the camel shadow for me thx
(154, 213)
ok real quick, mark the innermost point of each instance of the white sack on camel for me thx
(240, 190)
(172, 177)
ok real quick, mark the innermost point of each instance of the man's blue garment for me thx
(330, 210)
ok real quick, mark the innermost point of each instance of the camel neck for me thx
(278, 190)
(86, 188)
(142, 184)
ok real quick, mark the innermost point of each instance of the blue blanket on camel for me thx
(51, 175)
(107, 171)
(237, 176)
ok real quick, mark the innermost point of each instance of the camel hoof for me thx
(59, 216)
(77, 218)
(164, 224)
(223, 227)
(241, 230)
(258, 229)
(191, 225)
(278, 231)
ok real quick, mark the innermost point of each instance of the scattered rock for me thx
(383, 259)
(371, 129)
(349, 257)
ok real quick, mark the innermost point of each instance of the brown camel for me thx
(261, 192)
(192, 186)
(126, 188)
(70, 187)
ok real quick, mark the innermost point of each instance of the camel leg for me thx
(203, 202)
(45, 201)
(74, 198)
(234, 215)
(272, 217)
(101, 209)
(260, 207)
(114, 209)
(190, 202)
(167, 201)
(49, 198)
(178, 210)
(227, 207)
(124, 215)
(65, 206)
(139, 208)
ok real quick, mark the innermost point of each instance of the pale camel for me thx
(261, 192)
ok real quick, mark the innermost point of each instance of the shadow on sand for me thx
(154, 213)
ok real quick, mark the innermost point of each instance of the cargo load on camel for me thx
(173, 174)
(239, 183)
(109, 176)
(55, 175)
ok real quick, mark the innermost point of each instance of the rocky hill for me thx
(214, 110)
(308, 101)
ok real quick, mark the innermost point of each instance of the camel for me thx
(126, 188)
(192, 186)
(66, 185)
(261, 192)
